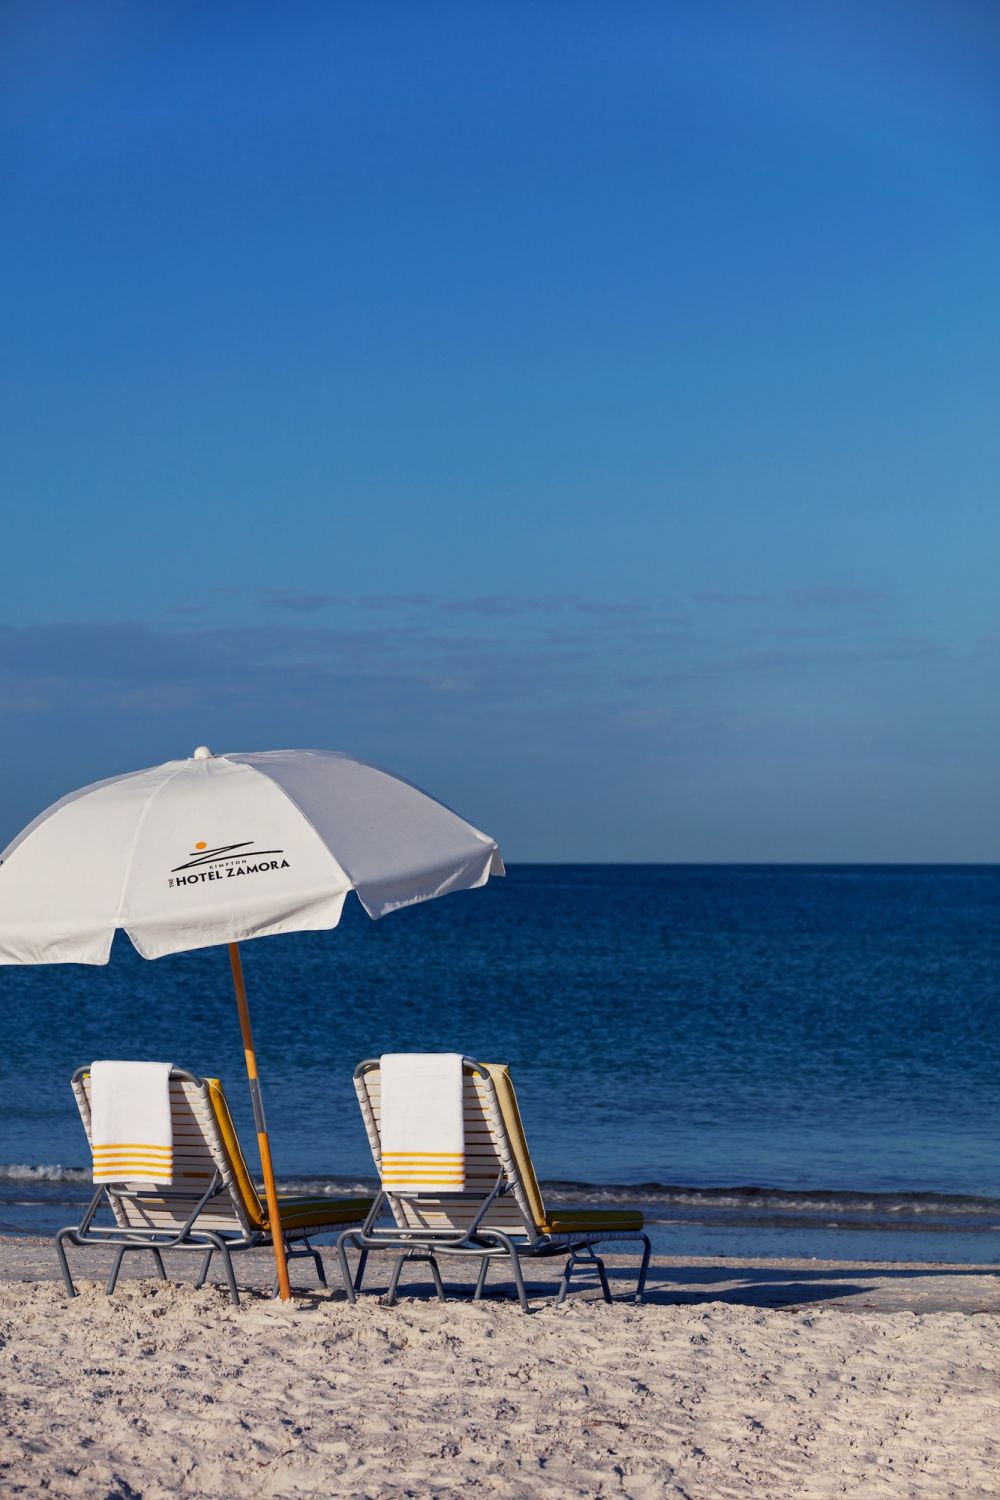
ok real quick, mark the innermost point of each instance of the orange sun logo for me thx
(201, 844)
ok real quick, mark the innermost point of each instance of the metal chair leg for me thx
(522, 1295)
(320, 1268)
(436, 1273)
(113, 1278)
(641, 1283)
(602, 1273)
(158, 1258)
(359, 1274)
(343, 1240)
(578, 1254)
(64, 1264)
(484, 1268)
(587, 1252)
(227, 1261)
(499, 1238)
(203, 1273)
(390, 1296)
(303, 1251)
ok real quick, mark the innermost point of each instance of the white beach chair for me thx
(500, 1211)
(211, 1204)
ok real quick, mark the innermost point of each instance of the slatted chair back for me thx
(494, 1147)
(198, 1112)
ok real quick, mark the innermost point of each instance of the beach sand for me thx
(734, 1379)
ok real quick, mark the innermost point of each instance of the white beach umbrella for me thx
(218, 848)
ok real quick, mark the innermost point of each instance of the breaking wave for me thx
(662, 1202)
(24, 1173)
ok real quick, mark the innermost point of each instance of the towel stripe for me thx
(424, 1161)
(132, 1146)
(423, 1176)
(133, 1161)
(133, 1173)
(422, 1155)
(132, 1156)
(425, 1183)
(161, 1170)
(155, 1161)
(395, 1179)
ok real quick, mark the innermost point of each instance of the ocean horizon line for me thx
(755, 864)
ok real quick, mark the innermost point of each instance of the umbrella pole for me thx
(263, 1144)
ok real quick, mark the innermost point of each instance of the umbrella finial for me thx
(203, 753)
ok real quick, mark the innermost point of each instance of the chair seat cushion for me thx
(592, 1220)
(314, 1213)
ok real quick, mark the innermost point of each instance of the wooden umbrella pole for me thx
(263, 1144)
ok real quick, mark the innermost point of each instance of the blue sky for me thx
(588, 411)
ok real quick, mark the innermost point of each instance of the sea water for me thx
(770, 1060)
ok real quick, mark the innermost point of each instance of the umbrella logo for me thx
(226, 862)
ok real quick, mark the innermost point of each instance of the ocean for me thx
(769, 1060)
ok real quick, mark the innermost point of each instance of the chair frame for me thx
(126, 1239)
(477, 1240)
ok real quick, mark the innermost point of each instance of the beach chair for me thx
(499, 1214)
(211, 1204)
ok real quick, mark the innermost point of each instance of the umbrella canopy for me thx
(218, 848)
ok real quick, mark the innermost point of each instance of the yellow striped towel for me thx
(131, 1133)
(421, 1128)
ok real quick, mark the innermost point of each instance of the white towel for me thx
(131, 1134)
(422, 1126)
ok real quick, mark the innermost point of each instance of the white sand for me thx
(872, 1382)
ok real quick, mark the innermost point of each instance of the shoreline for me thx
(850, 1226)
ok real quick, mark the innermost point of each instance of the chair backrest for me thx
(205, 1143)
(494, 1145)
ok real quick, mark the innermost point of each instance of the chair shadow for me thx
(772, 1286)
(666, 1286)
(543, 1293)
(587, 1288)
